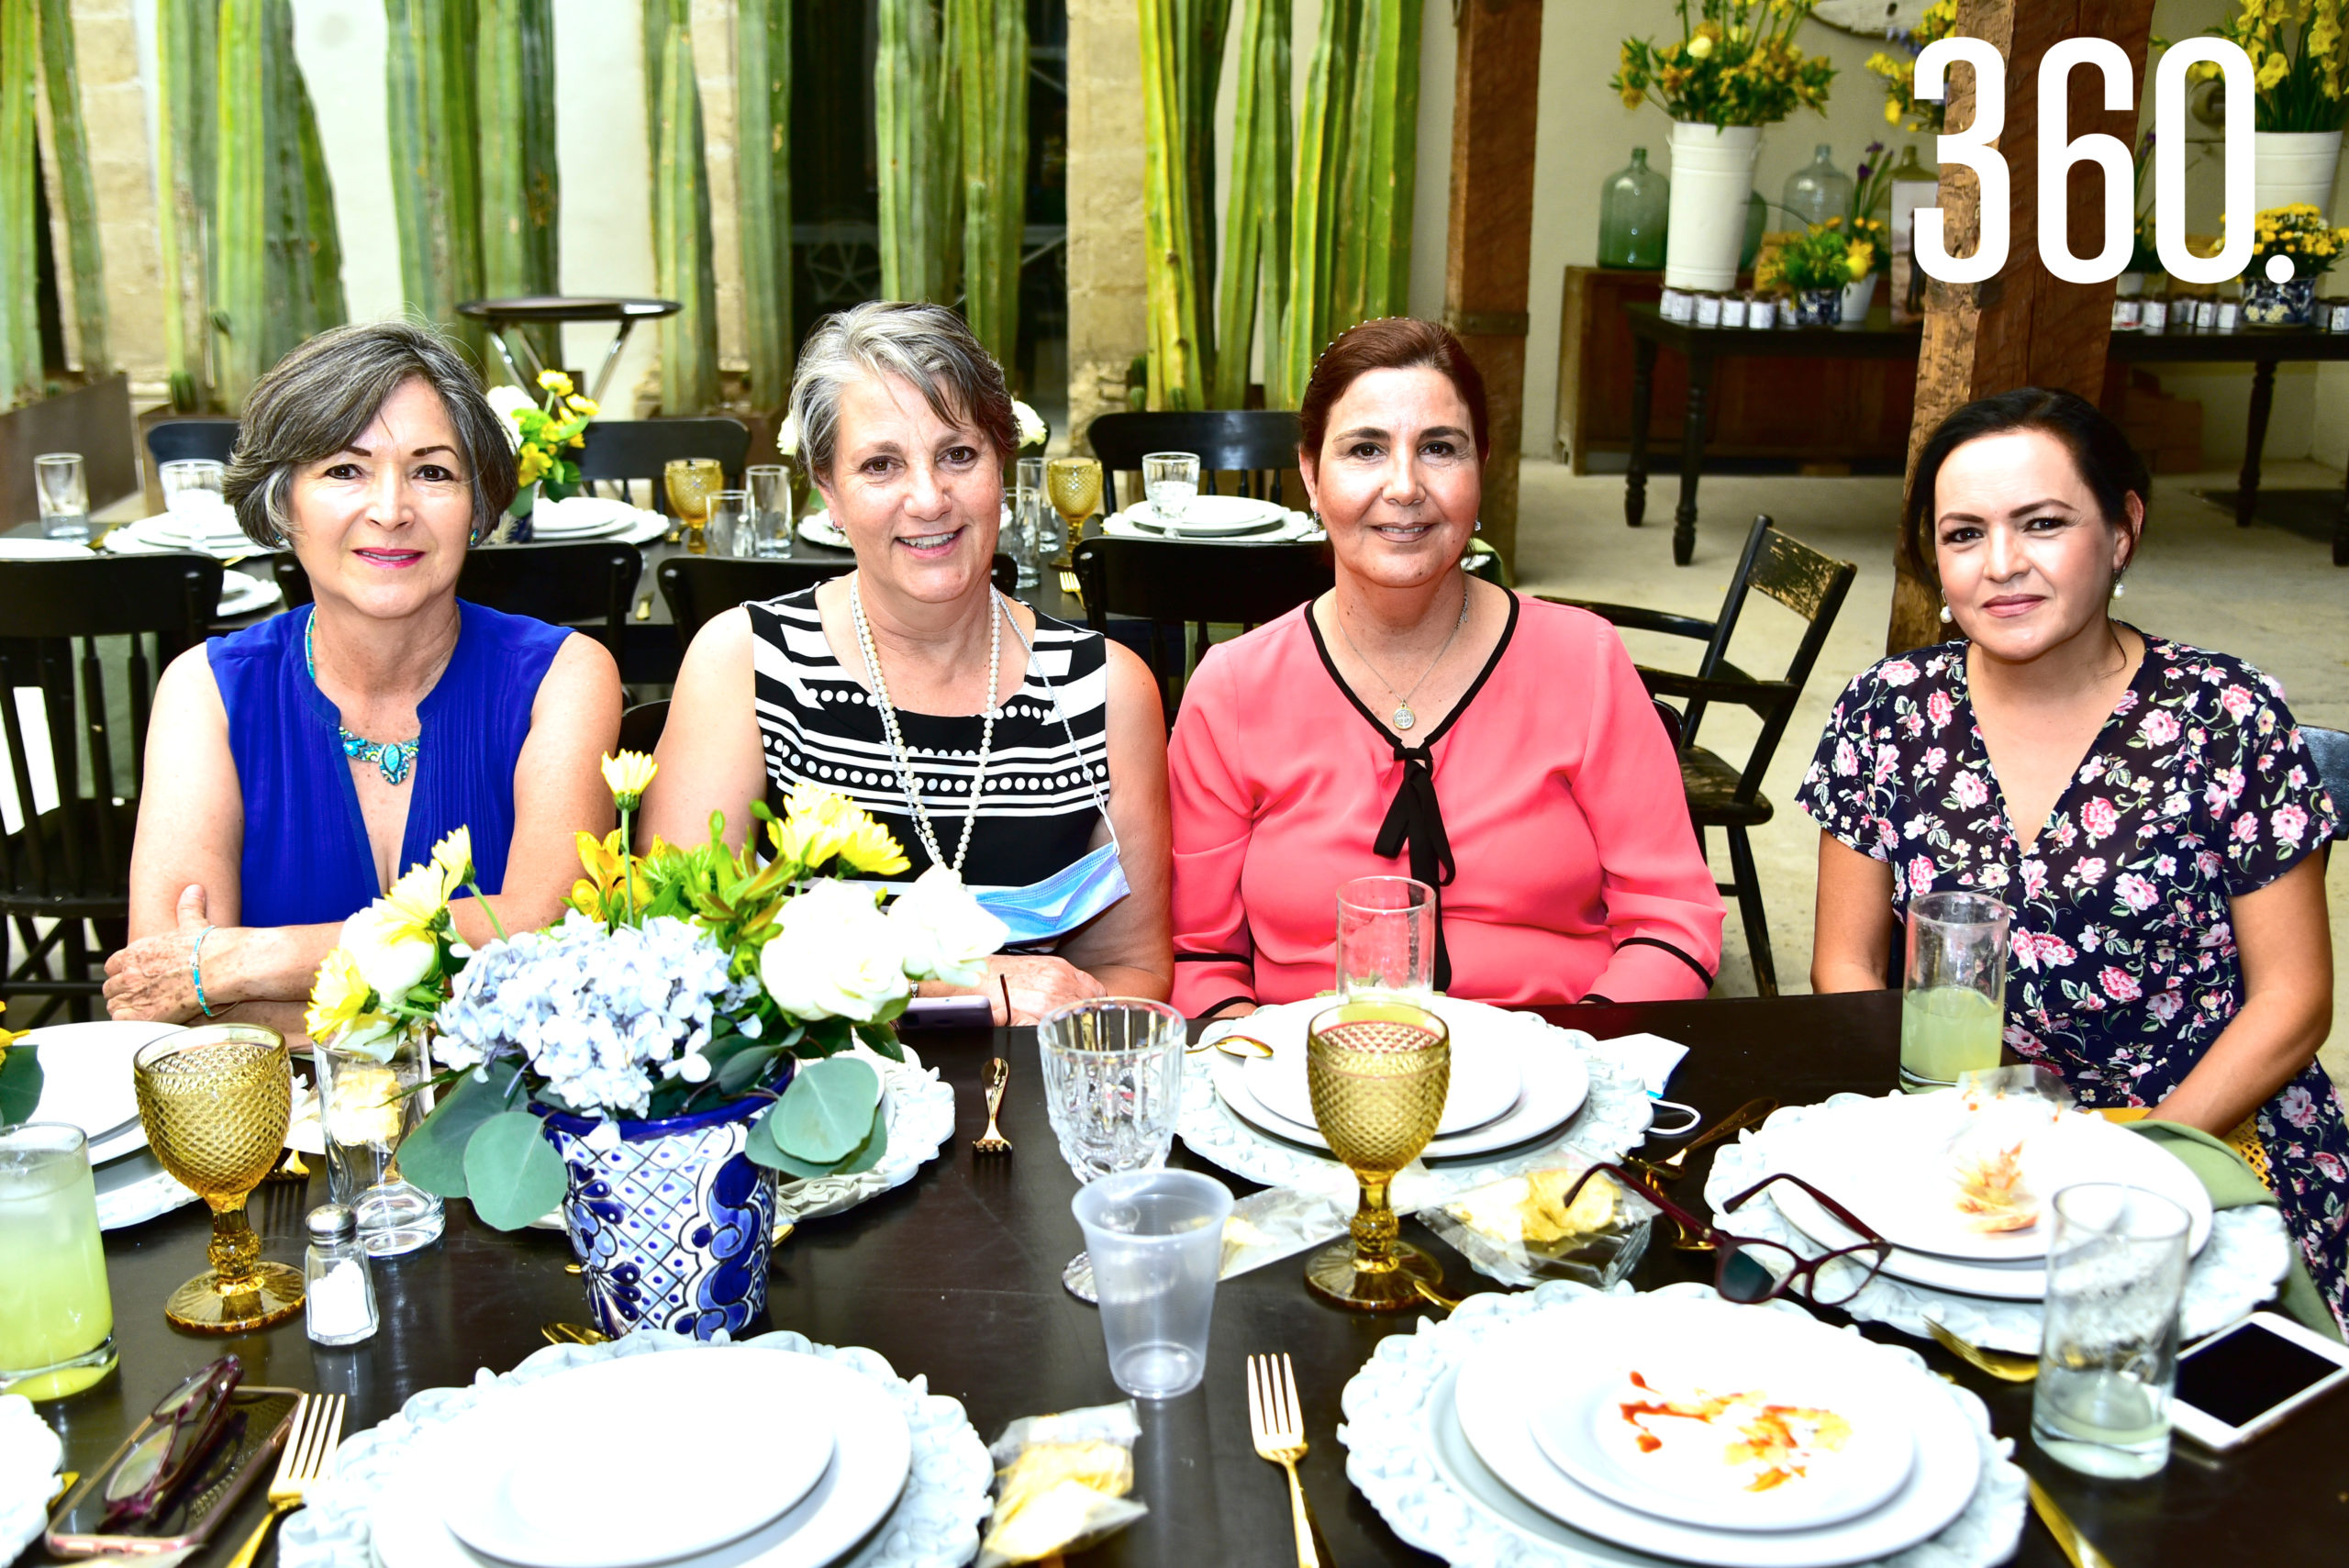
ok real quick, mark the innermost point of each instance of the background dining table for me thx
(956, 1275)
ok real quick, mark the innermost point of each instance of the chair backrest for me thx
(699, 588)
(640, 726)
(1256, 443)
(203, 436)
(1175, 583)
(572, 584)
(1805, 582)
(631, 450)
(2330, 749)
(167, 601)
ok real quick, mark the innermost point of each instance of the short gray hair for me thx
(925, 345)
(318, 399)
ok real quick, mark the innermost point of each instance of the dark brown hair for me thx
(2108, 463)
(1391, 342)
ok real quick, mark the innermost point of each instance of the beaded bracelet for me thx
(196, 970)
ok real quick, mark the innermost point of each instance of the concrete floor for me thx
(2260, 593)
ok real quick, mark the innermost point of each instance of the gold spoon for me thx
(1241, 1045)
(1434, 1296)
(2000, 1364)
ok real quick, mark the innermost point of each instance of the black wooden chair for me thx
(641, 727)
(587, 583)
(1178, 582)
(72, 863)
(1719, 795)
(699, 588)
(625, 450)
(1255, 443)
(2330, 749)
(200, 436)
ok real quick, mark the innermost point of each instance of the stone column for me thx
(122, 167)
(1107, 296)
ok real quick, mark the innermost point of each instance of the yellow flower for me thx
(578, 404)
(1891, 112)
(556, 382)
(337, 996)
(873, 850)
(2272, 69)
(1859, 257)
(7, 1039)
(816, 823)
(628, 776)
(420, 900)
(454, 856)
(1700, 47)
(609, 866)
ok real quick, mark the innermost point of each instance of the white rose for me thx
(947, 935)
(391, 952)
(509, 400)
(1033, 432)
(834, 954)
(786, 438)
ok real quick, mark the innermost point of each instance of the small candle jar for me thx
(2153, 316)
(1761, 312)
(1732, 311)
(2125, 313)
(339, 1298)
(1789, 313)
(1675, 305)
(1708, 310)
(2230, 315)
(2206, 314)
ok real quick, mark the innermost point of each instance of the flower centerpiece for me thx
(698, 1024)
(1902, 107)
(1733, 69)
(1871, 201)
(2292, 248)
(1815, 265)
(2299, 62)
(544, 434)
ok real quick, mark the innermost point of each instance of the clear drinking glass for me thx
(2108, 1354)
(191, 486)
(1052, 540)
(64, 488)
(1113, 1088)
(367, 1107)
(770, 486)
(733, 526)
(1025, 504)
(1953, 1002)
(1171, 480)
(1155, 1238)
(56, 1314)
(1387, 937)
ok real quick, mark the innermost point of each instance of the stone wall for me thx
(114, 110)
(1108, 301)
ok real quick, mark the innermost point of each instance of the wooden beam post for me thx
(2024, 328)
(1488, 256)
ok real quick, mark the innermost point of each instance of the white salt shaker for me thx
(339, 1299)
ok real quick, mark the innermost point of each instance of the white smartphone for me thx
(2242, 1379)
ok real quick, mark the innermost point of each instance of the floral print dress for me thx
(2123, 967)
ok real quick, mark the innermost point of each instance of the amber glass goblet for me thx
(1074, 486)
(215, 1102)
(1378, 1071)
(693, 483)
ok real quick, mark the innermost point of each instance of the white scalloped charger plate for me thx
(1495, 1387)
(871, 1457)
(1487, 1071)
(1555, 1083)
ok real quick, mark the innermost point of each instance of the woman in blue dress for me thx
(2147, 809)
(297, 768)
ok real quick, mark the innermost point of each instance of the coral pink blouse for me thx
(1547, 808)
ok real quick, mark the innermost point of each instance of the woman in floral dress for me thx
(2147, 809)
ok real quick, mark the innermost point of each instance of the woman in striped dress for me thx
(1012, 748)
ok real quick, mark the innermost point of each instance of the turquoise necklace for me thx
(393, 759)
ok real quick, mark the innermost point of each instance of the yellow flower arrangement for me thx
(1827, 256)
(1734, 63)
(2300, 58)
(2298, 233)
(545, 433)
(1899, 75)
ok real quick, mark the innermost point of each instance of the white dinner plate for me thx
(242, 595)
(86, 1079)
(43, 550)
(1520, 1369)
(760, 1429)
(1556, 1083)
(145, 537)
(817, 527)
(1486, 1073)
(1887, 1160)
(858, 1487)
(1639, 1418)
(2000, 1282)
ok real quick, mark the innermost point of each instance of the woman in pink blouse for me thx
(1416, 719)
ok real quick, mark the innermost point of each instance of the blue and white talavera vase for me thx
(2288, 303)
(671, 1225)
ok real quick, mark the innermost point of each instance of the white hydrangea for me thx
(597, 1014)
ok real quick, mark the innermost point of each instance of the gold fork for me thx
(1278, 1429)
(1752, 1113)
(993, 1142)
(2075, 1546)
(307, 1457)
(2000, 1364)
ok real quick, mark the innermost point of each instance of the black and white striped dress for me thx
(1039, 803)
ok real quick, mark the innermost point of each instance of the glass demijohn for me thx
(1633, 207)
(1819, 190)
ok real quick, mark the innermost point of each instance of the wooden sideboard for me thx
(1821, 411)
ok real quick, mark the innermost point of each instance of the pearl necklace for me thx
(1402, 718)
(393, 759)
(897, 740)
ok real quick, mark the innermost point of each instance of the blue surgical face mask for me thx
(1061, 902)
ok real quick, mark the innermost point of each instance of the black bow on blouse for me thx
(1415, 815)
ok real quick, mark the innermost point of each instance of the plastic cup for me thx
(1156, 1241)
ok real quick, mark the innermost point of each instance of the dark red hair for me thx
(1392, 342)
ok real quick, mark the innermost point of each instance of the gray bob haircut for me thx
(925, 345)
(318, 399)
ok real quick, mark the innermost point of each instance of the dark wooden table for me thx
(957, 1275)
(2262, 349)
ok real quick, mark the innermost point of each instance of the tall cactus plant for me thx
(991, 80)
(919, 160)
(520, 198)
(436, 186)
(1392, 70)
(1255, 231)
(20, 359)
(1313, 238)
(186, 56)
(762, 133)
(1178, 46)
(69, 147)
(680, 222)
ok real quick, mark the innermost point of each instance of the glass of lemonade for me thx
(56, 1316)
(1954, 1005)
(2107, 1357)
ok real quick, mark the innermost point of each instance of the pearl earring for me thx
(2119, 588)
(1946, 617)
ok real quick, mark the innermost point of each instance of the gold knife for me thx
(2075, 1546)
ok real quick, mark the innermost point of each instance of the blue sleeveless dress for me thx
(306, 859)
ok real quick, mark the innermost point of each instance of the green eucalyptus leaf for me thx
(882, 1038)
(20, 1080)
(433, 1156)
(512, 1173)
(868, 1154)
(744, 1068)
(827, 1111)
